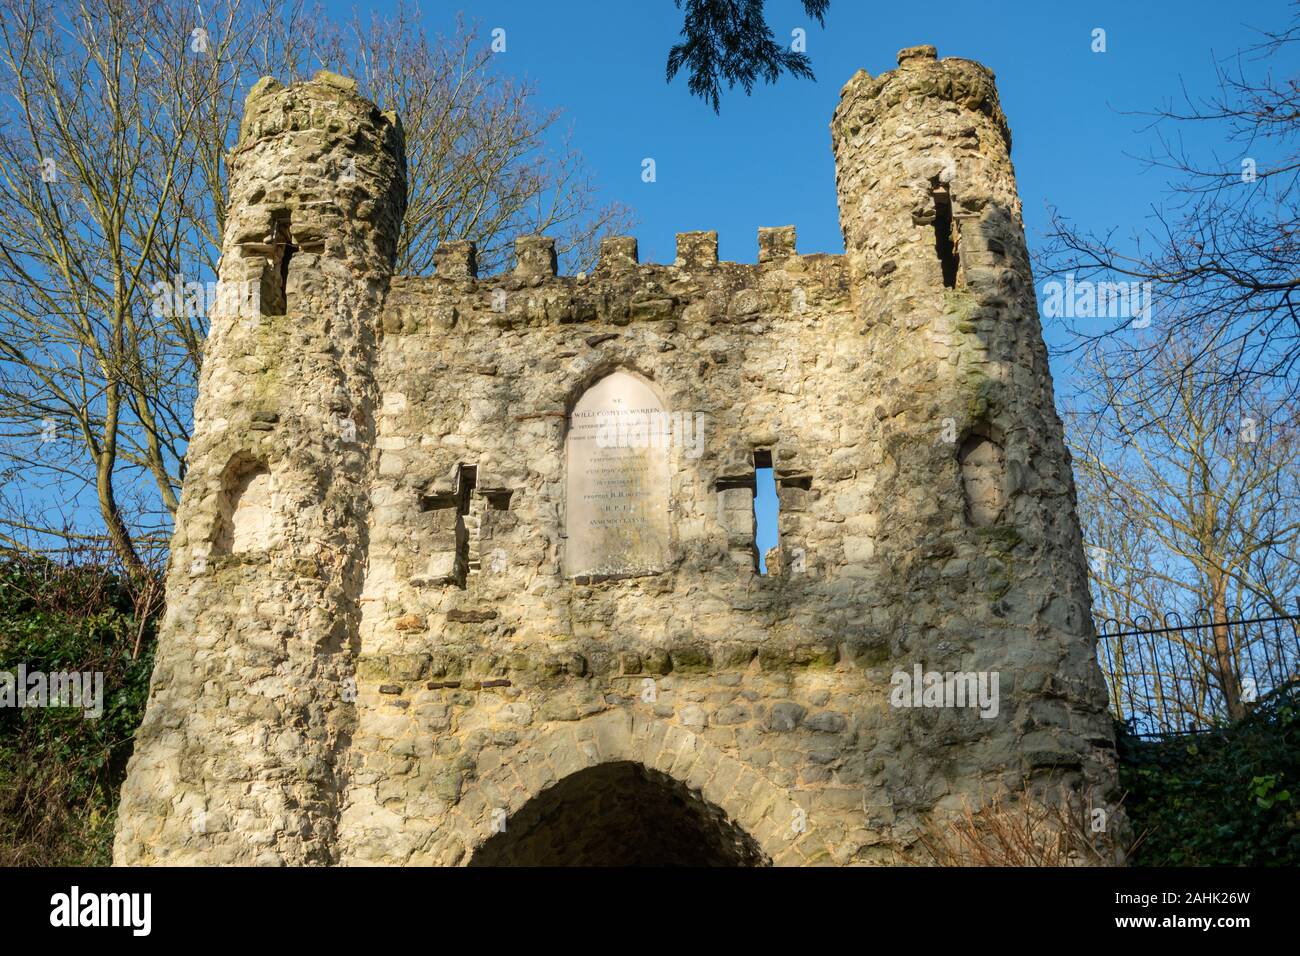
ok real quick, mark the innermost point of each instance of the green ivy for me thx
(60, 772)
(1223, 798)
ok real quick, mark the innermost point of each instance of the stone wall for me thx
(427, 664)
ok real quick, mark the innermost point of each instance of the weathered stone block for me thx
(775, 244)
(535, 256)
(456, 260)
(696, 250)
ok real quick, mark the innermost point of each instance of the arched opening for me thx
(983, 470)
(245, 510)
(619, 814)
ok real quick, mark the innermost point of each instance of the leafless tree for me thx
(1222, 253)
(475, 148)
(115, 118)
(1190, 501)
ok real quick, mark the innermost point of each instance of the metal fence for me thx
(1173, 676)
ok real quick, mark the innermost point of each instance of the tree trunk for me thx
(118, 534)
(1225, 666)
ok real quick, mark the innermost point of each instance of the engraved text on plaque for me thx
(616, 502)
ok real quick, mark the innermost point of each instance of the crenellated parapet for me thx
(341, 194)
(696, 288)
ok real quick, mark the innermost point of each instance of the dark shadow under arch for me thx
(620, 814)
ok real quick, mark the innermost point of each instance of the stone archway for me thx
(780, 827)
(620, 814)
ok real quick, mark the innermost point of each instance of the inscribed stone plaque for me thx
(616, 502)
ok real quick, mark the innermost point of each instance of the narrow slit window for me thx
(765, 508)
(945, 236)
(457, 529)
(471, 516)
(277, 249)
(283, 241)
(468, 482)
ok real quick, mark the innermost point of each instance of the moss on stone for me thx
(691, 659)
(984, 398)
(867, 654)
(1002, 537)
(962, 305)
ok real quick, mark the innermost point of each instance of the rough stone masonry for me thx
(465, 572)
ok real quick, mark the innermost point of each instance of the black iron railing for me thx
(1171, 676)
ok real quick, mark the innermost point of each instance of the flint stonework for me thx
(417, 615)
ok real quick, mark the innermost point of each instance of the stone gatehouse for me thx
(465, 567)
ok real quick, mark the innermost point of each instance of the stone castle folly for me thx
(465, 568)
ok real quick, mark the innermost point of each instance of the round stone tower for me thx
(974, 497)
(238, 758)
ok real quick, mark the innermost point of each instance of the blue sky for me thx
(766, 160)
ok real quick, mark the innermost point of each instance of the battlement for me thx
(695, 288)
(535, 254)
(322, 103)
